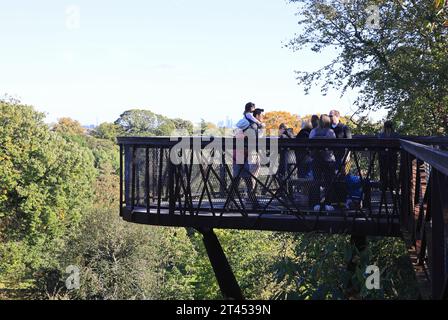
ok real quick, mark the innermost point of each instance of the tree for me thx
(105, 153)
(208, 128)
(45, 185)
(138, 122)
(314, 266)
(107, 130)
(394, 54)
(363, 125)
(183, 125)
(251, 254)
(273, 119)
(120, 260)
(68, 126)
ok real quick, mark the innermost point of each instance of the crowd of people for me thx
(325, 126)
(327, 169)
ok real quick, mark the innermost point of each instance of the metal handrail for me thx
(435, 158)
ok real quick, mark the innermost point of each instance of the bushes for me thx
(45, 184)
(114, 258)
(13, 261)
(315, 267)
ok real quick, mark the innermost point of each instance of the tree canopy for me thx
(45, 183)
(392, 53)
(69, 126)
(108, 131)
(139, 122)
(273, 119)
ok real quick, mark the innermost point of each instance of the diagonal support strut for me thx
(223, 272)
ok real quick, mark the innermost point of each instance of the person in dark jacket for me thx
(342, 132)
(303, 157)
(388, 160)
(284, 133)
(323, 162)
(304, 133)
(315, 121)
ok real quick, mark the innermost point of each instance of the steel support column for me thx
(439, 259)
(223, 272)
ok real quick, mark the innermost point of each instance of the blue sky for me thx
(190, 59)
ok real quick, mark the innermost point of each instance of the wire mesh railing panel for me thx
(426, 211)
(314, 179)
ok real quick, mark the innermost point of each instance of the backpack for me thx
(244, 123)
(241, 127)
(354, 187)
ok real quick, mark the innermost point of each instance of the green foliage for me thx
(14, 258)
(315, 267)
(45, 183)
(105, 153)
(119, 260)
(108, 131)
(137, 122)
(365, 126)
(420, 118)
(251, 255)
(176, 262)
(68, 126)
(104, 150)
(183, 126)
(400, 66)
(207, 128)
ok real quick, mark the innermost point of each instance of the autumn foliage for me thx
(273, 119)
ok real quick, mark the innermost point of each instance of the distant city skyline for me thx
(92, 60)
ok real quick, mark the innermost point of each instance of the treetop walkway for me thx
(364, 186)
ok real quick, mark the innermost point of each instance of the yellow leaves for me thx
(438, 4)
(441, 6)
(273, 120)
(69, 126)
(61, 215)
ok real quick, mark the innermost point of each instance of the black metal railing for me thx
(340, 186)
(425, 209)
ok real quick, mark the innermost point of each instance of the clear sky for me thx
(191, 59)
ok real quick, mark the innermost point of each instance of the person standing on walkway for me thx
(323, 162)
(341, 131)
(388, 160)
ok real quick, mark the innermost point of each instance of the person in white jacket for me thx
(249, 109)
(251, 166)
